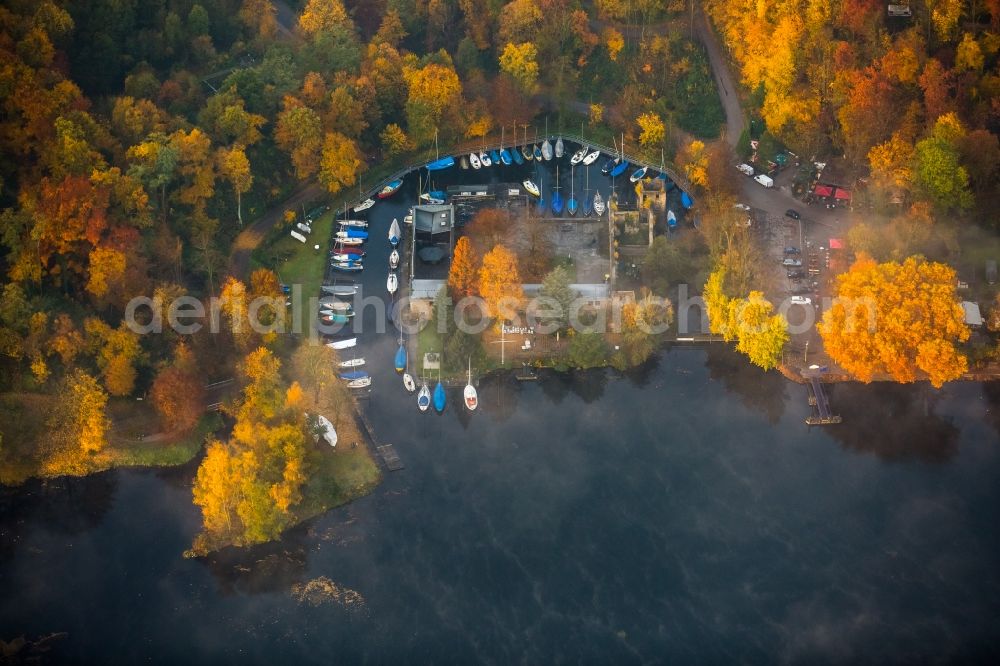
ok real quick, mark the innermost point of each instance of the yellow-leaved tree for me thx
(896, 319)
(750, 321)
(500, 283)
(653, 129)
(521, 62)
(694, 160)
(322, 15)
(339, 166)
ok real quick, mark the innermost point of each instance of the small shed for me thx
(973, 317)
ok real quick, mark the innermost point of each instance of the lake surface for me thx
(683, 513)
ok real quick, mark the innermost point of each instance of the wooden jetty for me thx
(385, 451)
(818, 399)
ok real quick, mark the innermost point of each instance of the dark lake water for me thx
(683, 513)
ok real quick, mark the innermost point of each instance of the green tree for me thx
(587, 350)
(556, 288)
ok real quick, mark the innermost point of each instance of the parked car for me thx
(789, 262)
(794, 214)
(797, 274)
(801, 300)
(791, 250)
(741, 206)
(745, 169)
(763, 180)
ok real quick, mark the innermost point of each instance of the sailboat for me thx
(351, 232)
(598, 204)
(559, 148)
(400, 359)
(390, 188)
(474, 161)
(408, 383)
(622, 164)
(424, 397)
(352, 363)
(546, 150)
(394, 232)
(586, 196)
(578, 155)
(353, 374)
(591, 158)
(364, 205)
(343, 290)
(334, 305)
(440, 399)
(531, 188)
(470, 395)
(463, 163)
(514, 152)
(541, 197)
(571, 204)
(504, 153)
(434, 197)
(343, 240)
(357, 224)
(484, 159)
(526, 150)
(557, 202)
(638, 174)
(392, 282)
(394, 259)
(360, 382)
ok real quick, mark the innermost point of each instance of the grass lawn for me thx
(338, 477)
(300, 263)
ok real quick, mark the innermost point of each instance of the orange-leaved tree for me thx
(896, 319)
(500, 283)
(178, 392)
(462, 275)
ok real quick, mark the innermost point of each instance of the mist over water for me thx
(682, 513)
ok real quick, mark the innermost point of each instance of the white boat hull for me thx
(408, 383)
(392, 283)
(363, 382)
(342, 344)
(471, 398)
(352, 363)
(394, 259)
(592, 157)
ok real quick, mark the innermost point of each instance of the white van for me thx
(766, 181)
(745, 169)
